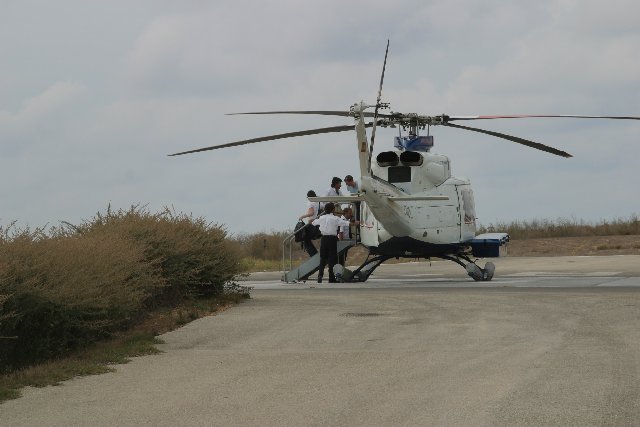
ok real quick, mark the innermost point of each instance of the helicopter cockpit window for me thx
(387, 158)
(399, 174)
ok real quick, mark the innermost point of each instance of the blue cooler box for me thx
(490, 245)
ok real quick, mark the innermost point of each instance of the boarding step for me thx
(311, 265)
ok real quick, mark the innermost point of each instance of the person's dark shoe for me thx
(333, 281)
(319, 279)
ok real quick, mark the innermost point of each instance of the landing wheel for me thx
(342, 274)
(475, 272)
(489, 269)
(481, 274)
(362, 273)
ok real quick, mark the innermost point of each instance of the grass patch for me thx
(95, 360)
(256, 264)
(565, 227)
(263, 251)
(608, 247)
(100, 357)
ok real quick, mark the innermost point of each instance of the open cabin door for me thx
(467, 212)
(369, 227)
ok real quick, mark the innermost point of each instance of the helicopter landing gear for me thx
(362, 273)
(481, 274)
(473, 270)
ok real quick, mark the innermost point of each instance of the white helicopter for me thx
(409, 205)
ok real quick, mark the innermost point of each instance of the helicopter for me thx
(409, 205)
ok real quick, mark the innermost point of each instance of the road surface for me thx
(550, 341)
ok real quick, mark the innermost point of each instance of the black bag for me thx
(314, 232)
(299, 230)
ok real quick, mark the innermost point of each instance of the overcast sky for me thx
(94, 95)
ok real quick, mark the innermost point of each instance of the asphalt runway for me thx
(550, 341)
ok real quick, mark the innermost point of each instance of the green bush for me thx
(43, 329)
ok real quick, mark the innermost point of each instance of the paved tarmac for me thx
(550, 341)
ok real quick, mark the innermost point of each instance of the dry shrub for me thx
(194, 256)
(73, 285)
(4, 312)
(267, 246)
(566, 227)
(64, 292)
(101, 271)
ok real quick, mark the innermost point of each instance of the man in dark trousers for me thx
(329, 225)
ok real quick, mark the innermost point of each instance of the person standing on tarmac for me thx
(329, 225)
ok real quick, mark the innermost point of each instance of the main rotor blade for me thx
(273, 137)
(375, 112)
(528, 116)
(522, 141)
(384, 66)
(316, 112)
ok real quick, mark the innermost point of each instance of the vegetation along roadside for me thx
(76, 297)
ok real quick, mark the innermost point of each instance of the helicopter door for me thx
(467, 213)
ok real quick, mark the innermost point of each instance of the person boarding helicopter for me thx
(313, 210)
(352, 186)
(329, 226)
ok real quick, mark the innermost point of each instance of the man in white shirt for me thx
(329, 224)
(334, 190)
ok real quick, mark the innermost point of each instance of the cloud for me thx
(130, 91)
(51, 100)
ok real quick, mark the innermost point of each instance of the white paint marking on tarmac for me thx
(405, 279)
(423, 274)
(563, 274)
(519, 280)
(622, 282)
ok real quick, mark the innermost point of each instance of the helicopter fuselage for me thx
(411, 203)
(414, 195)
